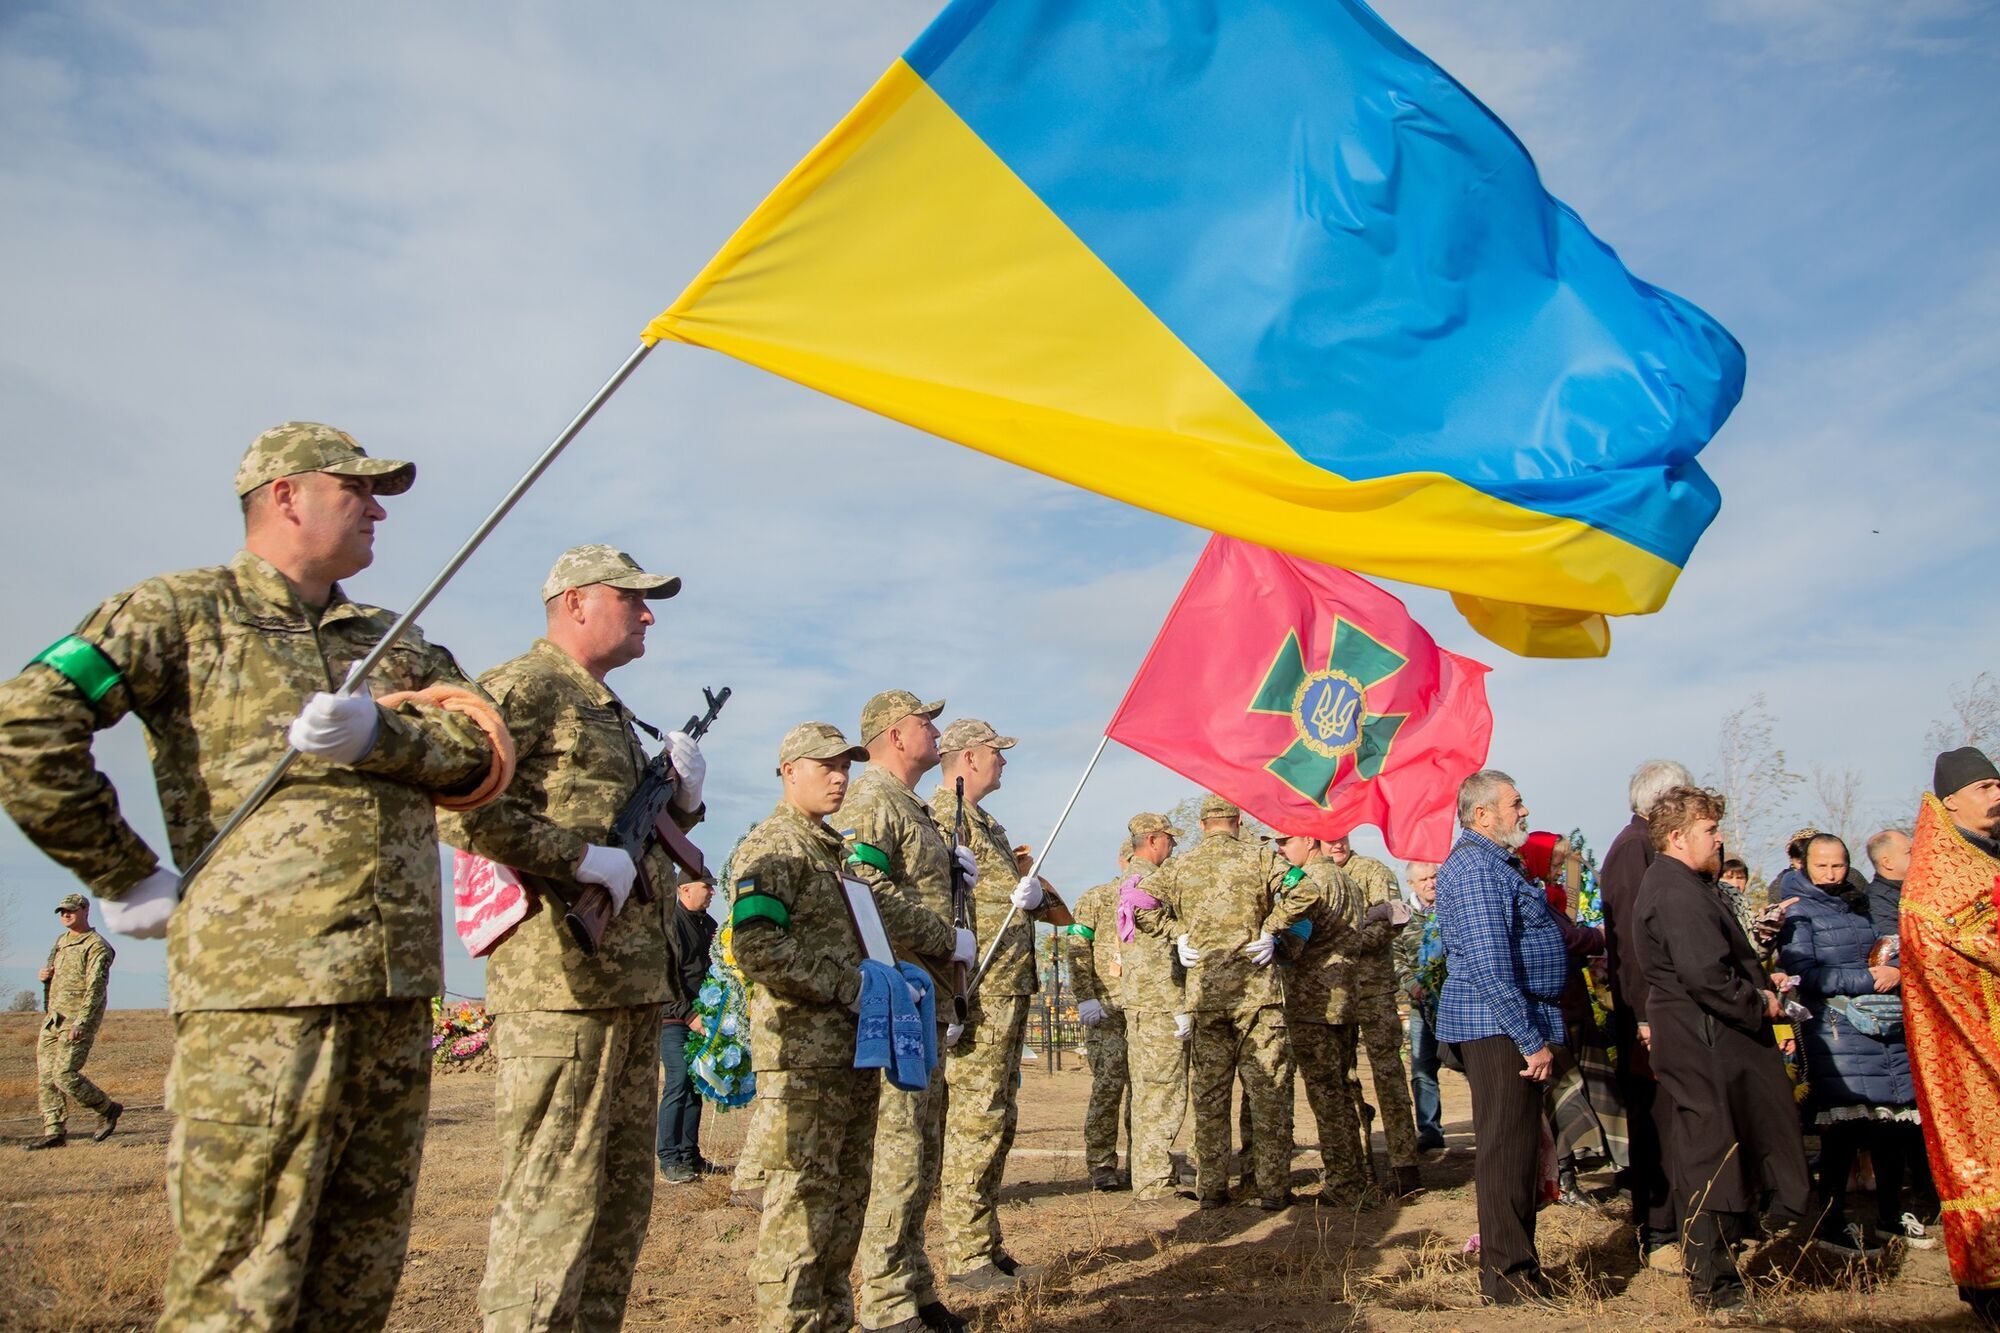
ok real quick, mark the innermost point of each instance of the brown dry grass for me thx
(84, 1235)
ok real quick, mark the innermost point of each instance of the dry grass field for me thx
(84, 1235)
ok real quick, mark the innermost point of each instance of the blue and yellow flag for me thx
(1260, 266)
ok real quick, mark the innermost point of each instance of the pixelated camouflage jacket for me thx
(1222, 894)
(1373, 952)
(1319, 973)
(1013, 971)
(578, 760)
(1153, 981)
(792, 936)
(1096, 960)
(329, 893)
(82, 979)
(896, 846)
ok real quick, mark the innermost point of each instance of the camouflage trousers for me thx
(1379, 1031)
(749, 1174)
(574, 1109)
(896, 1274)
(1253, 1042)
(1110, 1094)
(293, 1161)
(1325, 1053)
(816, 1150)
(1159, 1064)
(59, 1066)
(983, 1080)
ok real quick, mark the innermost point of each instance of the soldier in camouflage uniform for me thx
(1096, 964)
(795, 940)
(576, 1101)
(78, 976)
(1224, 905)
(301, 965)
(897, 847)
(983, 1069)
(1378, 1027)
(1152, 987)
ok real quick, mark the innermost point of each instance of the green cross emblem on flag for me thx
(1335, 730)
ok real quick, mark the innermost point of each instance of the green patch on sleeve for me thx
(1082, 931)
(81, 663)
(1294, 875)
(760, 907)
(861, 854)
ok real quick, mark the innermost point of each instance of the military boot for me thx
(111, 1114)
(55, 1138)
(938, 1317)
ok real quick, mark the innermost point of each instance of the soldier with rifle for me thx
(576, 1025)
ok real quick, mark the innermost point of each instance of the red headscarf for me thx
(1538, 859)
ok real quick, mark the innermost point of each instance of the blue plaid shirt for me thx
(1506, 964)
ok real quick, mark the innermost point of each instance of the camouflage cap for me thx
(75, 902)
(581, 566)
(967, 732)
(1146, 824)
(818, 740)
(889, 707)
(307, 446)
(1214, 807)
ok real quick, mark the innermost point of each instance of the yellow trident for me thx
(1330, 721)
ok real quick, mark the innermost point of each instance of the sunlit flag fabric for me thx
(1309, 697)
(1260, 266)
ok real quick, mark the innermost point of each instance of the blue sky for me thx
(441, 228)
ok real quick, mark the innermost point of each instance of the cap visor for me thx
(656, 586)
(932, 709)
(392, 476)
(853, 753)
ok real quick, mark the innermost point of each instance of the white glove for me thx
(966, 950)
(337, 728)
(1183, 1026)
(142, 913)
(1028, 893)
(1189, 954)
(968, 864)
(1090, 1013)
(690, 768)
(1262, 949)
(952, 1032)
(613, 868)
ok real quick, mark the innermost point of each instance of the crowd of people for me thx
(1654, 1018)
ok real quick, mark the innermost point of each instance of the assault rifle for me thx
(645, 819)
(961, 907)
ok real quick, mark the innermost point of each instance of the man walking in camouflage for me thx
(1224, 904)
(1378, 1026)
(983, 1068)
(1096, 966)
(795, 941)
(575, 1104)
(78, 977)
(301, 964)
(1152, 986)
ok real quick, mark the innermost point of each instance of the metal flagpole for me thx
(972, 986)
(367, 664)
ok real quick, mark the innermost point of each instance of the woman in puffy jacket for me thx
(1862, 1097)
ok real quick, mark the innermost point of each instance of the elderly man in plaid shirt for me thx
(1501, 1012)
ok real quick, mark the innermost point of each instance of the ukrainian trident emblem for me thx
(1335, 731)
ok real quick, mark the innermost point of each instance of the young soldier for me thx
(77, 976)
(301, 965)
(577, 1097)
(1096, 964)
(1378, 1027)
(795, 940)
(1157, 1023)
(1319, 1012)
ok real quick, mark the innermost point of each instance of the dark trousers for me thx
(1898, 1153)
(678, 1138)
(1507, 1131)
(1706, 1255)
(1424, 1079)
(1649, 1123)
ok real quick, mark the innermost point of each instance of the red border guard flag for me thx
(1309, 697)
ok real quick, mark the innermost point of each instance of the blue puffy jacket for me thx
(1826, 946)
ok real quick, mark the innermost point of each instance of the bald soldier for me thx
(797, 943)
(1224, 904)
(983, 1067)
(1096, 966)
(77, 978)
(1378, 1026)
(1152, 985)
(577, 1035)
(301, 965)
(897, 847)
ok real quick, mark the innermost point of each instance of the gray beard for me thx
(1515, 840)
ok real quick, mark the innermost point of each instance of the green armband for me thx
(1294, 875)
(1081, 931)
(861, 854)
(81, 663)
(760, 907)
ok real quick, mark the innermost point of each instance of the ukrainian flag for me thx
(1256, 264)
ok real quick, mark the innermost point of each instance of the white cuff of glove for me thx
(952, 1032)
(339, 728)
(966, 949)
(1028, 893)
(1183, 1026)
(690, 767)
(968, 865)
(611, 867)
(1262, 949)
(1090, 1013)
(1189, 955)
(145, 909)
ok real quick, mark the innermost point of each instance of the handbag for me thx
(1877, 1016)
